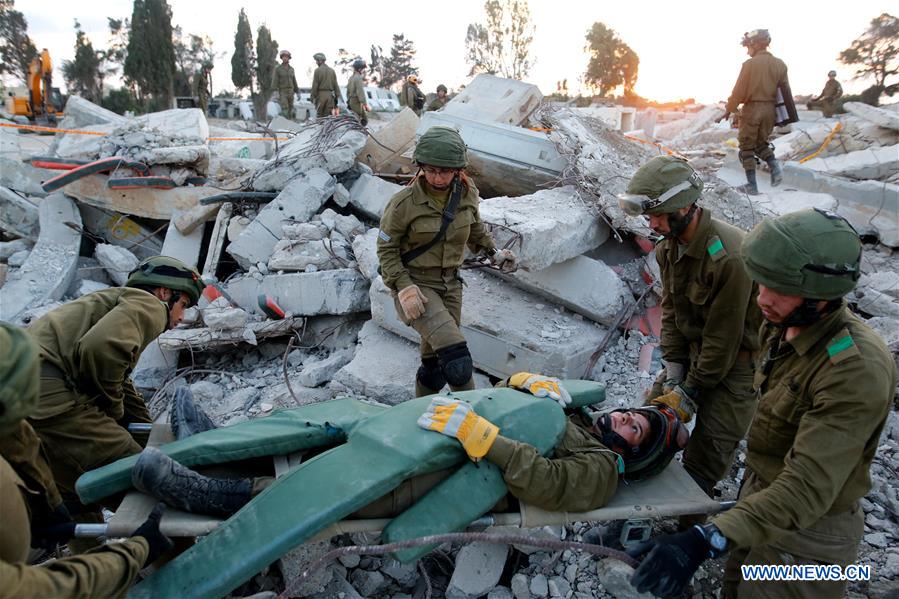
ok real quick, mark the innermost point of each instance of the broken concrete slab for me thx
(479, 566)
(117, 261)
(250, 145)
(309, 256)
(370, 194)
(619, 118)
(86, 286)
(18, 259)
(581, 284)
(554, 225)
(219, 315)
(18, 215)
(489, 98)
(384, 151)
(8, 248)
(177, 339)
(81, 113)
(298, 201)
(884, 118)
(186, 123)
(365, 250)
(158, 204)
(508, 330)
(383, 368)
(217, 240)
(23, 177)
(340, 291)
(86, 145)
(317, 371)
(872, 163)
(50, 268)
(121, 230)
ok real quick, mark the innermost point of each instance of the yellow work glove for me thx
(413, 301)
(455, 418)
(680, 400)
(541, 386)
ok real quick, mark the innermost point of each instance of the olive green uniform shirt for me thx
(412, 218)
(580, 475)
(758, 80)
(324, 79)
(202, 84)
(95, 341)
(355, 93)
(825, 396)
(708, 302)
(284, 79)
(832, 91)
(437, 103)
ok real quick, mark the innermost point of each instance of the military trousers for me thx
(359, 111)
(833, 539)
(23, 450)
(204, 103)
(827, 107)
(756, 125)
(439, 325)
(285, 101)
(324, 103)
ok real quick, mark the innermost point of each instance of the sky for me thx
(686, 49)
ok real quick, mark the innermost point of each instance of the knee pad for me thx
(747, 155)
(455, 362)
(430, 374)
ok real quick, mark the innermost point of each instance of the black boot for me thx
(752, 186)
(777, 173)
(186, 418)
(162, 477)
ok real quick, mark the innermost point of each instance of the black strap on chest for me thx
(449, 214)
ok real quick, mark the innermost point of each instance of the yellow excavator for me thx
(43, 103)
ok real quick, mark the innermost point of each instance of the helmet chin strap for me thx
(807, 313)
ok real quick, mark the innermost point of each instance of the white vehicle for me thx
(382, 100)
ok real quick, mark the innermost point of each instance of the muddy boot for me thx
(751, 187)
(777, 173)
(162, 477)
(186, 418)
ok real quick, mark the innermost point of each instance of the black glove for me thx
(53, 530)
(671, 563)
(158, 542)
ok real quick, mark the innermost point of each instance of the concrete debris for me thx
(495, 99)
(888, 119)
(553, 225)
(18, 259)
(121, 230)
(383, 368)
(87, 286)
(338, 291)
(319, 371)
(117, 261)
(221, 316)
(365, 250)
(370, 195)
(18, 215)
(81, 113)
(144, 202)
(385, 152)
(9, 248)
(479, 566)
(874, 163)
(615, 579)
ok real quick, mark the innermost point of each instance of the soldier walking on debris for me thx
(441, 99)
(325, 91)
(204, 91)
(424, 232)
(756, 90)
(284, 80)
(826, 384)
(710, 320)
(355, 93)
(108, 571)
(832, 92)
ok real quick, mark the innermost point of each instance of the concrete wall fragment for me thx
(18, 215)
(495, 99)
(340, 291)
(370, 194)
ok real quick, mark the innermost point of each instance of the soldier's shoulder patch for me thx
(383, 236)
(841, 347)
(716, 248)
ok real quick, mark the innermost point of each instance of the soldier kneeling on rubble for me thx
(581, 474)
(89, 347)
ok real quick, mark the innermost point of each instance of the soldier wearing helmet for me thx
(756, 90)
(826, 384)
(108, 571)
(411, 95)
(89, 347)
(710, 322)
(325, 91)
(355, 92)
(441, 99)
(826, 100)
(284, 81)
(424, 232)
(204, 86)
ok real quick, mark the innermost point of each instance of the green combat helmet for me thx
(162, 271)
(441, 146)
(756, 37)
(811, 253)
(19, 376)
(318, 57)
(663, 185)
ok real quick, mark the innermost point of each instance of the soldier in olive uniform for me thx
(355, 92)
(426, 280)
(325, 91)
(204, 91)
(826, 385)
(284, 80)
(581, 474)
(108, 571)
(89, 347)
(441, 99)
(832, 92)
(412, 96)
(756, 90)
(710, 320)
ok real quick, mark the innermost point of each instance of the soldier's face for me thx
(660, 224)
(176, 313)
(632, 426)
(439, 178)
(776, 306)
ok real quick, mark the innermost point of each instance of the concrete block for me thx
(292, 255)
(383, 368)
(618, 118)
(884, 118)
(18, 215)
(18, 259)
(581, 284)
(8, 248)
(385, 151)
(507, 160)
(117, 261)
(495, 99)
(340, 291)
(121, 230)
(479, 566)
(365, 250)
(87, 286)
(81, 113)
(370, 194)
(84, 147)
(318, 371)
(248, 147)
(180, 122)
(221, 316)
(615, 579)
(298, 201)
(50, 269)
(554, 224)
(23, 177)
(872, 163)
(508, 330)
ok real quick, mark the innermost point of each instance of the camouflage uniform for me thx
(285, 81)
(325, 91)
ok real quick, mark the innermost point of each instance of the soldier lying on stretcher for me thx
(581, 474)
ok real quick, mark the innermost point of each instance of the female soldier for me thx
(424, 232)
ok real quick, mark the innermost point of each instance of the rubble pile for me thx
(296, 312)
